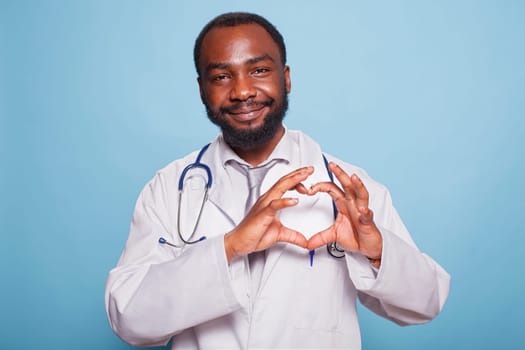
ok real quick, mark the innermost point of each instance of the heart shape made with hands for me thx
(267, 222)
(312, 217)
(312, 213)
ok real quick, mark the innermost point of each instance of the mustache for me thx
(242, 105)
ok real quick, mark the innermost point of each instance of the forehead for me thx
(235, 45)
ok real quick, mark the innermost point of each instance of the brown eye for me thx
(261, 71)
(220, 77)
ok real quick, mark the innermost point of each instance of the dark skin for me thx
(243, 63)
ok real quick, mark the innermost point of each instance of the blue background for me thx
(95, 96)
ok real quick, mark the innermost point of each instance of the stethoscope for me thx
(333, 249)
(209, 180)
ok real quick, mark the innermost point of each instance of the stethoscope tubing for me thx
(197, 164)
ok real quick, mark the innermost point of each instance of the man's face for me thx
(243, 84)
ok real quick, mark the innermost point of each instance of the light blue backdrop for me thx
(95, 96)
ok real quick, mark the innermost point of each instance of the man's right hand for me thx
(261, 228)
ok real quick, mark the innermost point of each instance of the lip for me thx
(247, 114)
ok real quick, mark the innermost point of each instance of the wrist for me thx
(229, 248)
(375, 253)
(375, 262)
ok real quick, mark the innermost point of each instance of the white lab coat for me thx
(158, 292)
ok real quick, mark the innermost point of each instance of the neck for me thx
(257, 155)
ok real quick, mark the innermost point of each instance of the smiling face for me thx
(244, 84)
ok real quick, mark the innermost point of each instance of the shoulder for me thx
(176, 166)
(165, 181)
(301, 139)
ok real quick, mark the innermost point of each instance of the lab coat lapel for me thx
(274, 252)
(222, 187)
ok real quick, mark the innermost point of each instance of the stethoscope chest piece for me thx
(335, 251)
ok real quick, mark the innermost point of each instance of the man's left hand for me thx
(354, 228)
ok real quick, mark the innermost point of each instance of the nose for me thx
(242, 89)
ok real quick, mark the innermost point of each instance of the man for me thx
(254, 272)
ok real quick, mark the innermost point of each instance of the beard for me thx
(251, 138)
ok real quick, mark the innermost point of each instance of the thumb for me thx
(293, 237)
(321, 238)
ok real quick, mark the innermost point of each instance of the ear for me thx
(287, 81)
(201, 89)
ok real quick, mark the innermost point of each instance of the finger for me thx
(366, 216)
(301, 189)
(342, 206)
(344, 179)
(338, 196)
(281, 203)
(322, 238)
(289, 182)
(360, 191)
(327, 187)
(293, 237)
(281, 233)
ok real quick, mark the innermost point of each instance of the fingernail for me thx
(365, 219)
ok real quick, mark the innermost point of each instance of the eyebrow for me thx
(253, 60)
(259, 59)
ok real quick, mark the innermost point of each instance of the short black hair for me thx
(234, 19)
